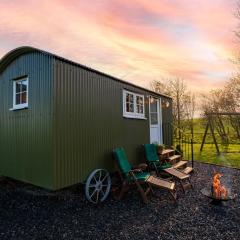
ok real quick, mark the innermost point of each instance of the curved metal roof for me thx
(12, 55)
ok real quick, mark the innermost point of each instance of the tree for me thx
(183, 101)
(231, 102)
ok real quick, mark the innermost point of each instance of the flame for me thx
(219, 191)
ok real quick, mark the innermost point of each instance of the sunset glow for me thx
(138, 40)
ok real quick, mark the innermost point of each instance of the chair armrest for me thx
(131, 173)
(141, 166)
(135, 170)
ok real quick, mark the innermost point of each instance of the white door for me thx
(155, 116)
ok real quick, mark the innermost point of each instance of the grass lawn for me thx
(230, 154)
(209, 155)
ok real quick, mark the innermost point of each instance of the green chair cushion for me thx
(122, 160)
(151, 153)
(153, 159)
(125, 166)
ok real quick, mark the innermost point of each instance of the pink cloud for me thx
(139, 40)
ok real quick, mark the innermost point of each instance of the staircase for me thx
(176, 160)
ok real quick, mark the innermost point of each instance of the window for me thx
(154, 111)
(133, 105)
(20, 93)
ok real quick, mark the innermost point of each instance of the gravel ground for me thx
(32, 213)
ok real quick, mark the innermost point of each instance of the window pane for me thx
(129, 98)
(18, 98)
(24, 86)
(24, 97)
(139, 100)
(129, 107)
(18, 87)
(140, 109)
(154, 118)
(153, 105)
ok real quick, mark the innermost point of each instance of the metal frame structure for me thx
(210, 125)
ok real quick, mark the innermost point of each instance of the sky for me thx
(136, 40)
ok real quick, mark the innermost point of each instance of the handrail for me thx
(185, 144)
(180, 130)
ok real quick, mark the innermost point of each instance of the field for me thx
(230, 153)
(209, 155)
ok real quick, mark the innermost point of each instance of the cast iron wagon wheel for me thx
(98, 186)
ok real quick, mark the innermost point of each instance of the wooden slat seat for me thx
(156, 181)
(183, 178)
(176, 173)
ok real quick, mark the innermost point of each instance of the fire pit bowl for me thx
(208, 193)
(218, 192)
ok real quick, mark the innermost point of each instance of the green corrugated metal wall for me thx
(73, 122)
(26, 135)
(89, 123)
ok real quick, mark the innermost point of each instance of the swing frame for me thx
(210, 125)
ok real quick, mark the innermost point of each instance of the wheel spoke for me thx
(92, 185)
(93, 193)
(100, 175)
(104, 177)
(102, 192)
(97, 196)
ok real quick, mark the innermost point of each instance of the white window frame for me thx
(133, 114)
(23, 105)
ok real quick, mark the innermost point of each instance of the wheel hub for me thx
(99, 186)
